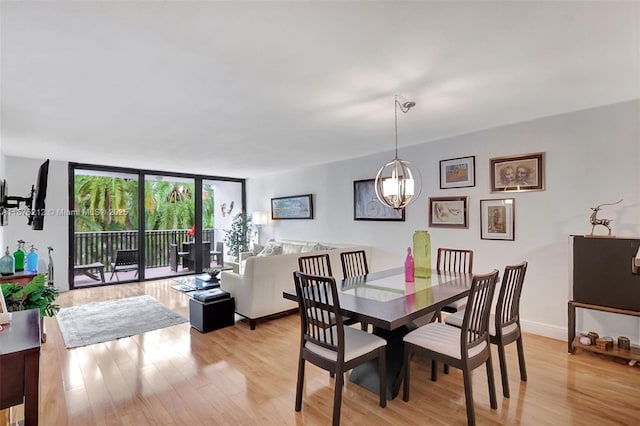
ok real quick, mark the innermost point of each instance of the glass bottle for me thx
(7, 264)
(19, 255)
(409, 267)
(422, 254)
(32, 261)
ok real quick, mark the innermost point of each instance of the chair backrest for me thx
(321, 321)
(354, 263)
(508, 305)
(475, 325)
(125, 257)
(318, 264)
(454, 260)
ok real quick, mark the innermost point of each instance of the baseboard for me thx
(546, 330)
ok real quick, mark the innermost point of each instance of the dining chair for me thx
(454, 260)
(176, 256)
(354, 264)
(318, 264)
(504, 324)
(327, 343)
(465, 348)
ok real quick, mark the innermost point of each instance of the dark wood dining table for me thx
(392, 306)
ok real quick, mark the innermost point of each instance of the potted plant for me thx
(238, 237)
(35, 295)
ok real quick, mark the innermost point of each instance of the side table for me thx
(209, 316)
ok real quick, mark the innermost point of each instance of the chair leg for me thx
(407, 364)
(300, 384)
(468, 396)
(446, 369)
(523, 366)
(503, 370)
(492, 385)
(364, 326)
(337, 397)
(382, 369)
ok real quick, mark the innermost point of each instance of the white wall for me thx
(592, 157)
(20, 174)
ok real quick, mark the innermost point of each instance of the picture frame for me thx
(458, 172)
(366, 205)
(497, 219)
(449, 212)
(517, 173)
(292, 207)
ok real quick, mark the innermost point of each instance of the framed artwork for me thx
(366, 205)
(449, 212)
(497, 219)
(293, 207)
(518, 173)
(458, 172)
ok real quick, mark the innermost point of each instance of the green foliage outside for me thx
(35, 295)
(111, 204)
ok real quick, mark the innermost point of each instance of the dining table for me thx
(394, 307)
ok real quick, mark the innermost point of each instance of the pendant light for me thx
(396, 184)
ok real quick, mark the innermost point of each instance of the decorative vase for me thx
(422, 254)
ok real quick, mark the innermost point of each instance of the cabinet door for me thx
(602, 272)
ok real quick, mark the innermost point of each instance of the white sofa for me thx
(258, 284)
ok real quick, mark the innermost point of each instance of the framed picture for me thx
(458, 172)
(366, 205)
(517, 174)
(294, 207)
(497, 219)
(449, 212)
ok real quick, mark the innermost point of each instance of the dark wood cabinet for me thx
(604, 278)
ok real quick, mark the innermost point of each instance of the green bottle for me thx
(7, 265)
(422, 254)
(19, 255)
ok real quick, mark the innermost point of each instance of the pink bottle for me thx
(409, 267)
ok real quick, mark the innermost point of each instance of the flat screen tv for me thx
(38, 211)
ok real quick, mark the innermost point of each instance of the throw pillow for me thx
(271, 249)
(256, 249)
(291, 248)
(319, 247)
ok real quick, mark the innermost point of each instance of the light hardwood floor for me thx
(235, 376)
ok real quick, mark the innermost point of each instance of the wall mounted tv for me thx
(34, 203)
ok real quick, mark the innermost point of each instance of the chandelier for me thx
(395, 184)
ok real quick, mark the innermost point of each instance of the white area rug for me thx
(99, 322)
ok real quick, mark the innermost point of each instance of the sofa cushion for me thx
(256, 249)
(288, 248)
(271, 249)
(319, 247)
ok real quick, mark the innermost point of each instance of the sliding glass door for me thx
(172, 224)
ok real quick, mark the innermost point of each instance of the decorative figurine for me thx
(604, 222)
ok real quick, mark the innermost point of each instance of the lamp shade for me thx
(259, 218)
(396, 185)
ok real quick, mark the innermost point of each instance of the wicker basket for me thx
(604, 343)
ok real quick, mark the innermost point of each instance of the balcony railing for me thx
(99, 246)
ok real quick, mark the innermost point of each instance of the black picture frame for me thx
(366, 205)
(292, 207)
(458, 172)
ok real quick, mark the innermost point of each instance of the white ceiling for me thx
(248, 88)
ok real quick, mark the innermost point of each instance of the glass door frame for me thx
(141, 174)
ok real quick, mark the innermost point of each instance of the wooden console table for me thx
(20, 364)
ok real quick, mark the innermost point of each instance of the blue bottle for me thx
(32, 261)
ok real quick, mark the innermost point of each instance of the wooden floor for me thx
(234, 376)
